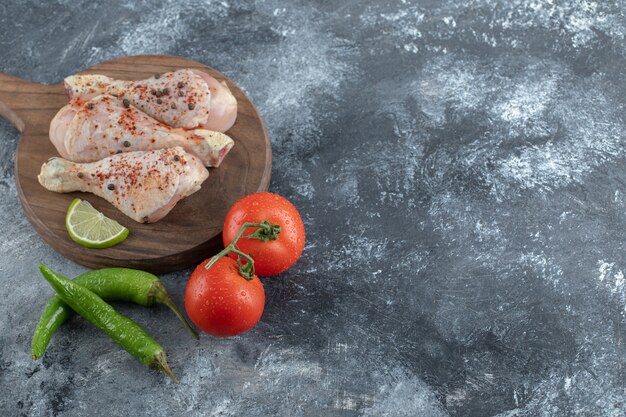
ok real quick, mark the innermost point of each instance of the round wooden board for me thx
(191, 232)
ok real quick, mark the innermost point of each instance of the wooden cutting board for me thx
(191, 232)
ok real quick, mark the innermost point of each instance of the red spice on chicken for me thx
(89, 131)
(143, 185)
(185, 98)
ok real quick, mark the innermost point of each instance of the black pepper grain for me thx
(126, 102)
(126, 144)
(111, 187)
(119, 151)
(176, 158)
(158, 93)
(145, 219)
(90, 106)
(80, 175)
(173, 106)
(180, 94)
(191, 106)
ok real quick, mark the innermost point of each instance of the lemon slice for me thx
(90, 228)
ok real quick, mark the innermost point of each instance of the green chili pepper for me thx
(110, 284)
(121, 329)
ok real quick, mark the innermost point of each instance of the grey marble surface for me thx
(461, 170)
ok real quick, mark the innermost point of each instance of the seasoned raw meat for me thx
(144, 185)
(87, 131)
(185, 98)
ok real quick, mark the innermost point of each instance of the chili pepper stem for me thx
(159, 292)
(161, 363)
(266, 231)
(170, 303)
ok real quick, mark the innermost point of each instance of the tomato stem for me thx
(266, 231)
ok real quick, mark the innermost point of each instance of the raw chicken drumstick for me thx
(144, 185)
(103, 126)
(185, 98)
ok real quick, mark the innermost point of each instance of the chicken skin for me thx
(144, 185)
(185, 98)
(87, 131)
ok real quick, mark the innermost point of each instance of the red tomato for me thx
(222, 302)
(272, 256)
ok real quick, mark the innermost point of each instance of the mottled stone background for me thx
(461, 170)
